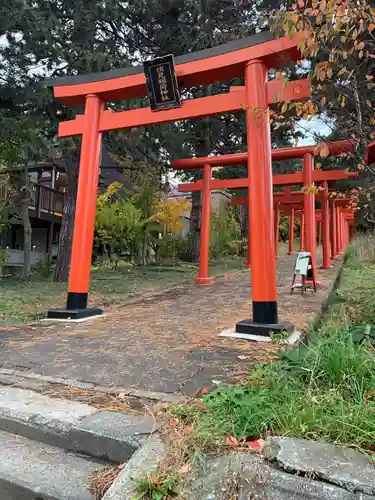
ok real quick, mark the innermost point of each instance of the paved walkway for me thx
(167, 345)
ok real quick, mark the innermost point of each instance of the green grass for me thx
(22, 302)
(323, 390)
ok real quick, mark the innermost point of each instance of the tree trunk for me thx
(67, 224)
(26, 239)
(25, 188)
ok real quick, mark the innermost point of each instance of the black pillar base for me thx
(265, 320)
(249, 327)
(73, 313)
(76, 308)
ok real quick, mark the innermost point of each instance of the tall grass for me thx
(322, 390)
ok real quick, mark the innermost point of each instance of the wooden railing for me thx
(49, 200)
(43, 199)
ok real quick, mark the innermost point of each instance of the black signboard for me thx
(161, 83)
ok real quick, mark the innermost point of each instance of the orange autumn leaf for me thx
(371, 27)
(231, 441)
(322, 150)
(256, 445)
(203, 391)
(185, 469)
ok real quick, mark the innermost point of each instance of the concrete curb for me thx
(316, 318)
(38, 382)
(72, 425)
(143, 462)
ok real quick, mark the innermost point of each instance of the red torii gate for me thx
(250, 58)
(307, 177)
(287, 203)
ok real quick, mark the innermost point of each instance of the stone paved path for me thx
(167, 345)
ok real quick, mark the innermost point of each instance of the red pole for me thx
(309, 208)
(277, 224)
(302, 232)
(319, 233)
(334, 229)
(343, 245)
(84, 222)
(338, 228)
(248, 263)
(202, 277)
(325, 227)
(264, 296)
(291, 233)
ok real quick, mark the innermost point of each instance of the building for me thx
(220, 200)
(46, 206)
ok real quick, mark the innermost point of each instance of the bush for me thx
(181, 247)
(3, 260)
(225, 233)
(44, 269)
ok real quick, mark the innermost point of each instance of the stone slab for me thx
(29, 405)
(72, 425)
(342, 466)
(231, 333)
(246, 475)
(34, 471)
(143, 462)
(116, 435)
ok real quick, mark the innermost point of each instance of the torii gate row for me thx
(296, 210)
(248, 58)
(307, 177)
(208, 184)
(293, 201)
(343, 234)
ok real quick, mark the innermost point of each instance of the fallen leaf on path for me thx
(203, 391)
(185, 469)
(256, 445)
(231, 441)
(242, 357)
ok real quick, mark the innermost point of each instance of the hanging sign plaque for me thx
(161, 83)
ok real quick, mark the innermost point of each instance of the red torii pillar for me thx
(326, 227)
(203, 278)
(84, 221)
(339, 229)
(302, 232)
(291, 233)
(309, 209)
(333, 230)
(277, 224)
(264, 295)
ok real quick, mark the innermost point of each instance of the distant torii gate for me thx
(250, 58)
(291, 201)
(307, 178)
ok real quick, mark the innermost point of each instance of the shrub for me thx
(44, 269)
(225, 232)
